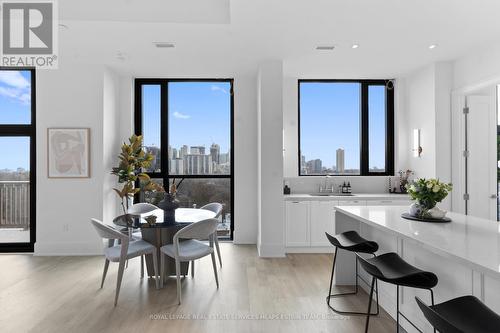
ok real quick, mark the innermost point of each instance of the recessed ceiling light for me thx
(63, 26)
(325, 47)
(164, 44)
(355, 46)
(432, 46)
(121, 56)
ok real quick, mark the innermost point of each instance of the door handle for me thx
(493, 196)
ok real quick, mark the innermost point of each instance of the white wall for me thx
(111, 142)
(420, 114)
(477, 67)
(71, 96)
(270, 158)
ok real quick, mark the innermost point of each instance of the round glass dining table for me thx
(161, 233)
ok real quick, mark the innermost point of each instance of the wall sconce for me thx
(417, 149)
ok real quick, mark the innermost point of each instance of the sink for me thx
(332, 194)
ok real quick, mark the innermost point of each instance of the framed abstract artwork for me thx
(68, 152)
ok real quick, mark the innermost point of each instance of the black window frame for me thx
(25, 130)
(164, 174)
(364, 127)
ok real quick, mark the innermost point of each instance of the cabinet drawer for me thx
(352, 203)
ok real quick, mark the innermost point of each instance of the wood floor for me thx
(61, 294)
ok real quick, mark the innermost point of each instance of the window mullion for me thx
(364, 151)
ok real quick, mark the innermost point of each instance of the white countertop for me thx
(356, 196)
(473, 241)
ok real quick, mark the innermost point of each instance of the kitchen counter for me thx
(355, 196)
(464, 254)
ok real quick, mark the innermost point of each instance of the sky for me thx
(330, 118)
(199, 114)
(15, 108)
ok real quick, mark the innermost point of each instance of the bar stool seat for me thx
(350, 241)
(462, 314)
(391, 268)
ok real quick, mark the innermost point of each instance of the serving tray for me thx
(430, 220)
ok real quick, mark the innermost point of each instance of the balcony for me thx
(14, 211)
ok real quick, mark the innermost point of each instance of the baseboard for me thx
(319, 249)
(271, 250)
(67, 249)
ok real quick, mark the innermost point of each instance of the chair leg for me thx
(121, 268)
(155, 266)
(215, 270)
(397, 308)
(162, 268)
(142, 267)
(370, 305)
(218, 249)
(192, 268)
(178, 273)
(106, 265)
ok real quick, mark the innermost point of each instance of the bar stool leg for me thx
(356, 288)
(397, 308)
(374, 280)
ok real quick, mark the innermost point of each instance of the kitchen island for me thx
(464, 254)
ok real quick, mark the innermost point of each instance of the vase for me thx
(437, 213)
(420, 209)
(169, 204)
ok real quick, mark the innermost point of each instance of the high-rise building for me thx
(215, 153)
(169, 152)
(314, 166)
(340, 161)
(197, 150)
(183, 151)
(224, 158)
(156, 163)
(174, 153)
(197, 164)
(176, 166)
(303, 168)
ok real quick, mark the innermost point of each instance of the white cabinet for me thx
(322, 219)
(297, 223)
(353, 202)
(389, 202)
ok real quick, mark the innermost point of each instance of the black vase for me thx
(169, 204)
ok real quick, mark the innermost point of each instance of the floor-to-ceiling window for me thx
(17, 161)
(188, 126)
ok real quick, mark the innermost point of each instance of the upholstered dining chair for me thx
(217, 209)
(138, 209)
(120, 253)
(186, 247)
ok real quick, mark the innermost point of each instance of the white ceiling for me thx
(394, 35)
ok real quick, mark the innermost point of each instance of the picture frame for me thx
(68, 152)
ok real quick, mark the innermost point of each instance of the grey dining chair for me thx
(120, 253)
(138, 209)
(217, 209)
(186, 247)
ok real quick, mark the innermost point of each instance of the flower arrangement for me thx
(427, 193)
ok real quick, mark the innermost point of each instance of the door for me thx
(322, 220)
(297, 223)
(475, 189)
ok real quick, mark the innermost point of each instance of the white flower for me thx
(436, 189)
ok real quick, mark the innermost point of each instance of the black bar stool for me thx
(350, 241)
(459, 315)
(391, 268)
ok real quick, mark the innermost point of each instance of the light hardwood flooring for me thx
(61, 294)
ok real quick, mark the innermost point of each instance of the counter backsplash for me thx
(360, 184)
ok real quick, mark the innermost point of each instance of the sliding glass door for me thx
(187, 125)
(17, 161)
